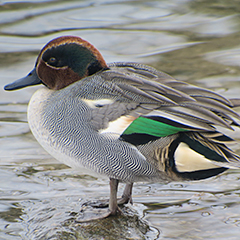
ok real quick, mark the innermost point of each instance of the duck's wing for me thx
(147, 105)
(136, 90)
(159, 95)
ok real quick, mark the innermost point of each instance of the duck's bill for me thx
(30, 80)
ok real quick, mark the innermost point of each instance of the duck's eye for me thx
(52, 60)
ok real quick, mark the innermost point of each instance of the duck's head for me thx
(62, 61)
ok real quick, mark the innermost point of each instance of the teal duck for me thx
(124, 120)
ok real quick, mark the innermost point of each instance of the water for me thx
(196, 41)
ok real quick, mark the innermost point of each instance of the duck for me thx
(126, 121)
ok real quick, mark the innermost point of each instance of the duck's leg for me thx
(113, 209)
(127, 194)
(113, 204)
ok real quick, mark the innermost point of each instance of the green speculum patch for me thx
(152, 127)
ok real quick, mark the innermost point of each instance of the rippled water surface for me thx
(196, 41)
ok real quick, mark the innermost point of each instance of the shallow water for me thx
(196, 41)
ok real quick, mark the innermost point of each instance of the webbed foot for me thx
(93, 210)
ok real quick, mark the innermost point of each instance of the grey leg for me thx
(113, 205)
(127, 194)
(112, 209)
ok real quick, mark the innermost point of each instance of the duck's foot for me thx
(126, 198)
(88, 213)
(97, 204)
(104, 203)
(97, 210)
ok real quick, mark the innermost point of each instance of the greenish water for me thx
(196, 41)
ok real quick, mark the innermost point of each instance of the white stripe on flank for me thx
(187, 160)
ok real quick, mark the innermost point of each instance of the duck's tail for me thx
(193, 155)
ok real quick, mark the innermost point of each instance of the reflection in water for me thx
(197, 41)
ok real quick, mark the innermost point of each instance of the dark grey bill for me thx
(30, 80)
